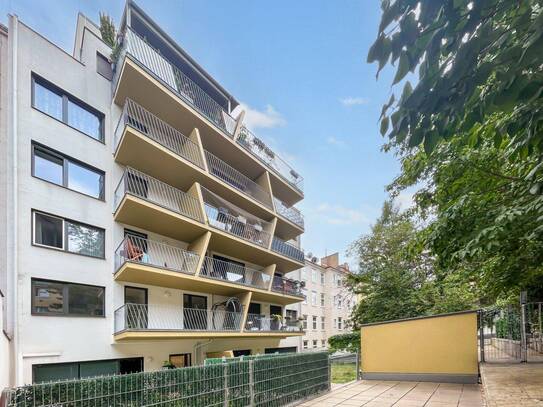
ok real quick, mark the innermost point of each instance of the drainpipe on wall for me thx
(197, 349)
(12, 213)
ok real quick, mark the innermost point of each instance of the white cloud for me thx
(335, 141)
(340, 215)
(267, 118)
(354, 101)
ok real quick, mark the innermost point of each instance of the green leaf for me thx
(384, 125)
(430, 141)
(403, 68)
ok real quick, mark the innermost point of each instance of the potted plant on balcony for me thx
(276, 321)
(166, 365)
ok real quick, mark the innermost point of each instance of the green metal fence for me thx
(239, 382)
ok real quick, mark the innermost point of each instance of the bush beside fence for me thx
(239, 382)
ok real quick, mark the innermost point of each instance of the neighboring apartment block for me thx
(141, 221)
(328, 303)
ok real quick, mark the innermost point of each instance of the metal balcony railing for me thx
(157, 130)
(150, 317)
(137, 249)
(261, 151)
(287, 286)
(287, 249)
(144, 186)
(262, 323)
(234, 273)
(236, 179)
(172, 77)
(226, 216)
(290, 213)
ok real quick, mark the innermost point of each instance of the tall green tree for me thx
(107, 29)
(470, 132)
(397, 277)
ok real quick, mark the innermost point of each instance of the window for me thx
(335, 323)
(322, 278)
(313, 276)
(56, 103)
(304, 274)
(322, 300)
(304, 322)
(339, 323)
(78, 370)
(339, 301)
(291, 314)
(314, 343)
(67, 299)
(313, 297)
(59, 169)
(323, 343)
(304, 292)
(339, 282)
(103, 66)
(314, 323)
(305, 344)
(63, 234)
(322, 323)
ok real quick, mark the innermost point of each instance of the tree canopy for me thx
(469, 134)
(398, 278)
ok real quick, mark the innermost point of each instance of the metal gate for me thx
(511, 334)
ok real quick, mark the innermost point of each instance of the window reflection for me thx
(83, 120)
(47, 101)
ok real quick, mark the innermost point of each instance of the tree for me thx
(349, 342)
(470, 133)
(474, 59)
(397, 277)
(107, 29)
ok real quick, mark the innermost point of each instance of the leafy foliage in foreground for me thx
(471, 133)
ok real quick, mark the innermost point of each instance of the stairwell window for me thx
(67, 235)
(54, 102)
(52, 166)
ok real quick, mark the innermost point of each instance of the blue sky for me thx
(300, 69)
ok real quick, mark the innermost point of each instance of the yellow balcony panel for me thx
(141, 213)
(176, 335)
(136, 272)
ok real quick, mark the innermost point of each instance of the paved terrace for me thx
(374, 393)
(513, 384)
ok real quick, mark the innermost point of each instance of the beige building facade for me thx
(328, 304)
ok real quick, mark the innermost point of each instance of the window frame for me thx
(35, 78)
(65, 172)
(323, 299)
(323, 324)
(99, 55)
(65, 299)
(314, 324)
(65, 234)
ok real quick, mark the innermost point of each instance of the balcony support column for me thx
(196, 191)
(270, 271)
(195, 136)
(270, 228)
(239, 123)
(200, 245)
(264, 181)
(245, 299)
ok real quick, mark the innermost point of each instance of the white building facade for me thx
(98, 279)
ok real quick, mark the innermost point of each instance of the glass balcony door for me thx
(195, 312)
(136, 314)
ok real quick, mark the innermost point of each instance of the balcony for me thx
(287, 249)
(144, 141)
(268, 157)
(170, 76)
(261, 323)
(234, 273)
(287, 286)
(225, 216)
(168, 321)
(236, 179)
(143, 201)
(148, 252)
(290, 213)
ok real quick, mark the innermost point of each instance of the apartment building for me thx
(327, 306)
(144, 224)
